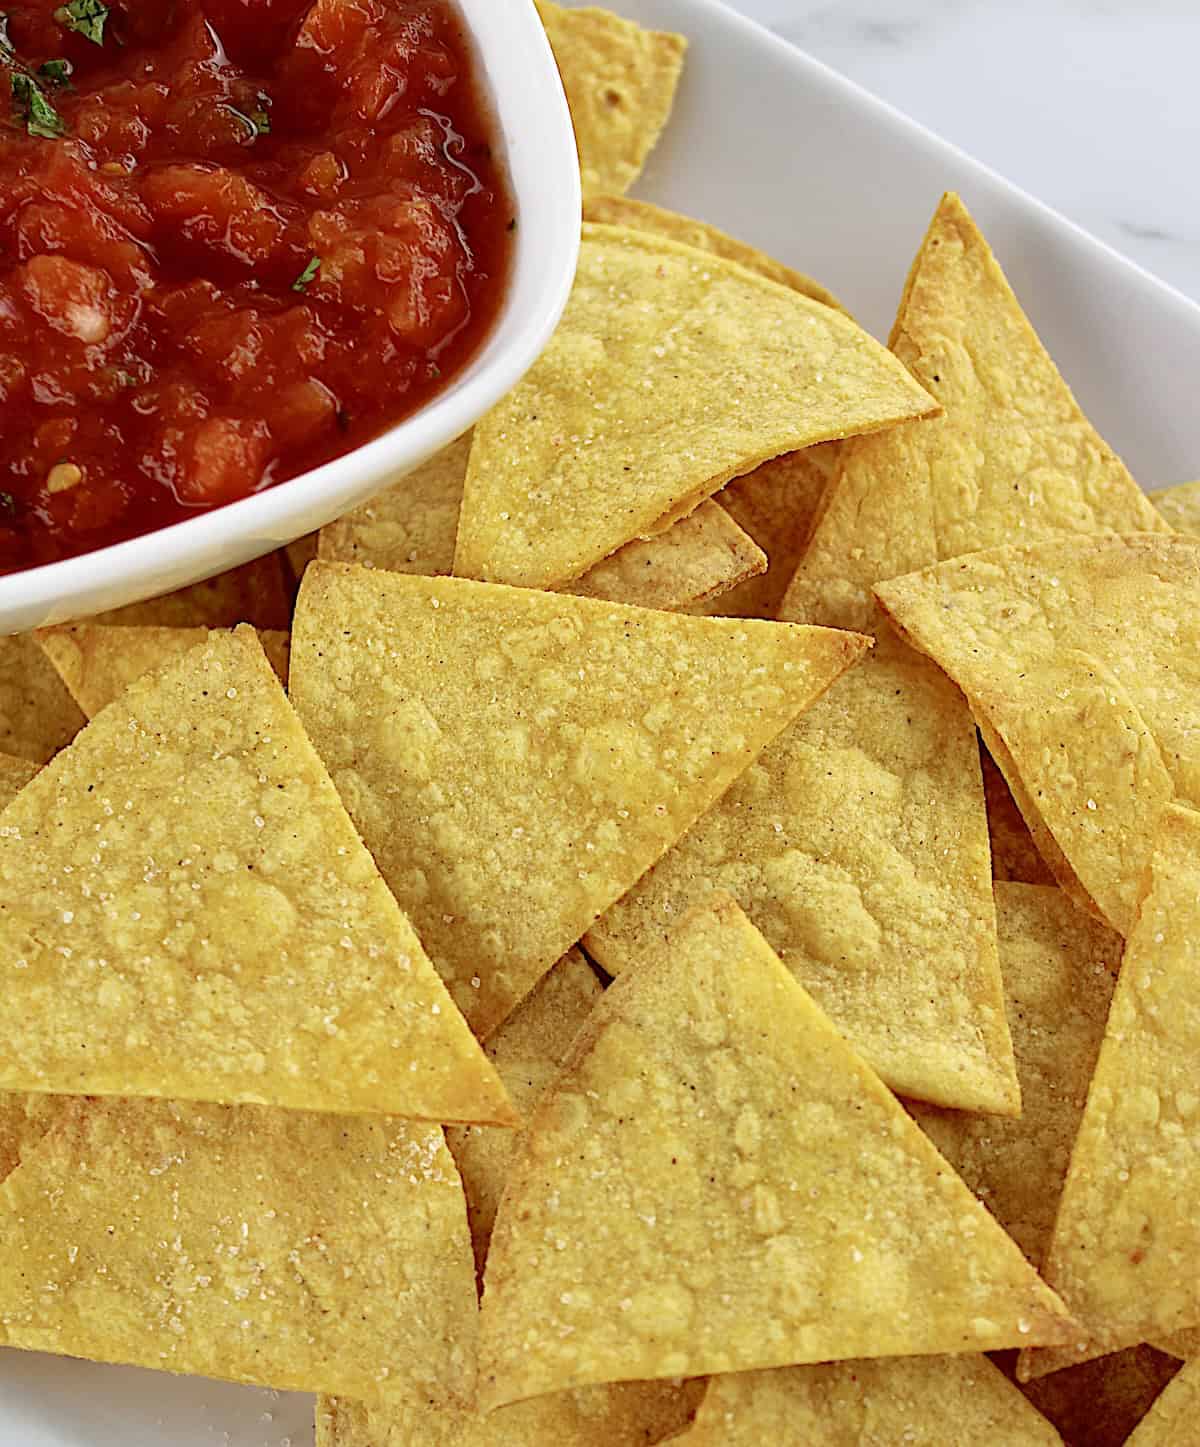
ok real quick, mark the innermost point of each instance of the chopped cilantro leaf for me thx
(57, 72)
(257, 121)
(40, 117)
(85, 17)
(8, 505)
(307, 275)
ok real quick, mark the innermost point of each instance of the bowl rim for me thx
(522, 88)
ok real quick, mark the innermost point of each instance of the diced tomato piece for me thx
(78, 301)
(335, 28)
(225, 457)
(216, 208)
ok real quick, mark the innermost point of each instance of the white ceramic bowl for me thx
(530, 113)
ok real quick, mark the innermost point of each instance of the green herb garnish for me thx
(307, 275)
(57, 72)
(85, 17)
(40, 117)
(257, 121)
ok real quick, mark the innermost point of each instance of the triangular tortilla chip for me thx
(299, 554)
(1171, 1421)
(1015, 855)
(624, 1414)
(410, 528)
(98, 662)
(527, 1051)
(516, 759)
(37, 714)
(1126, 1238)
(255, 593)
(1181, 1344)
(642, 216)
(186, 911)
(24, 1119)
(1098, 1403)
(14, 775)
(279, 1247)
(925, 1401)
(1059, 967)
(718, 1183)
(620, 82)
(705, 370)
(858, 844)
(1080, 659)
(1180, 506)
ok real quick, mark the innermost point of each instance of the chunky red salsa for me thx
(237, 238)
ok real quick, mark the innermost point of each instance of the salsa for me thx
(238, 238)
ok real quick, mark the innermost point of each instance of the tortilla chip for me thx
(24, 1119)
(410, 528)
(37, 714)
(927, 1401)
(687, 1120)
(188, 912)
(1126, 1237)
(527, 1051)
(1180, 506)
(625, 1414)
(706, 370)
(98, 662)
(1181, 1344)
(300, 553)
(775, 504)
(1059, 967)
(697, 559)
(1080, 659)
(642, 216)
(858, 844)
(620, 82)
(1098, 1403)
(1012, 456)
(14, 775)
(284, 1248)
(255, 593)
(516, 759)
(1171, 1421)
(1015, 856)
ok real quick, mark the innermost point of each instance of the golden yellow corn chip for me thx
(1059, 967)
(300, 553)
(1015, 856)
(527, 1051)
(255, 593)
(1180, 506)
(515, 759)
(1171, 1421)
(186, 911)
(280, 1247)
(642, 216)
(857, 843)
(98, 662)
(37, 714)
(620, 82)
(624, 1414)
(926, 1401)
(717, 1183)
(1079, 657)
(1181, 1344)
(1098, 1403)
(14, 775)
(705, 370)
(1126, 1237)
(24, 1119)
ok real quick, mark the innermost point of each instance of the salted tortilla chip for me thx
(514, 759)
(925, 1401)
(1015, 855)
(527, 1051)
(740, 1157)
(187, 912)
(98, 662)
(24, 1119)
(623, 1414)
(1181, 1344)
(14, 775)
(410, 528)
(290, 1249)
(642, 216)
(300, 553)
(1079, 657)
(37, 714)
(705, 369)
(1012, 455)
(1171, 1421)
(1059, 967)
(1098, 1403)
(1126, 1237)
(620, 81)
(255, 593)
(857, 843)
(1180, 506)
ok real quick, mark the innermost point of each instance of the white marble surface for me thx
(1088, 104)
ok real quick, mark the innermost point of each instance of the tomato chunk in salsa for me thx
(237, 239)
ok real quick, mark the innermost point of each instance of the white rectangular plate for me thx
(775, 148)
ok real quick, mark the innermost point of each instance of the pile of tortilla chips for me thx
(679, 920)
